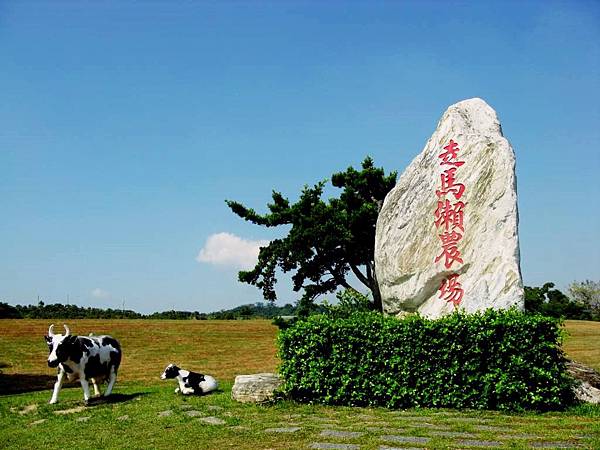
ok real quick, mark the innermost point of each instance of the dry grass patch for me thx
(582, 343)
(222, 348)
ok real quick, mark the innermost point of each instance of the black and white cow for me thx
(87, 358)
(190, 382)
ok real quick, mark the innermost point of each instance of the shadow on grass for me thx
(114, 398)
(18, 383)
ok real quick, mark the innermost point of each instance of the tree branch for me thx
(361, 277)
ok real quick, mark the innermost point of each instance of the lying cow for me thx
(190, 382)
(87, 358)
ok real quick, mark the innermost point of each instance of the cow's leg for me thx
(111, 381)
(57, 386)
(86, 389)
(96, 390)
(187, 390)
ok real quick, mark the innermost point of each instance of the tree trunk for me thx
(374, 287)
(377, 301)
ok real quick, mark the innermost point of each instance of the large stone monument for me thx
(447, 233)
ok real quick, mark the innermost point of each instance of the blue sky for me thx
(125, 126)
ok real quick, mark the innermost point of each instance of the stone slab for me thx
(409, 439)
(327, 445)
(212, 420)
(341, 434)
(282, 430)
(479, 443)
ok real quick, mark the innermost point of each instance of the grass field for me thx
(145, 413)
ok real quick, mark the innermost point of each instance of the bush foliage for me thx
(493, 360)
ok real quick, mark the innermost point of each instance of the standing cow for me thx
(93, 358)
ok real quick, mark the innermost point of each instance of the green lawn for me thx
(135, 421)
(137, 418)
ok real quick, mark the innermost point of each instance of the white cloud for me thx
(100, 293)
(227, 249)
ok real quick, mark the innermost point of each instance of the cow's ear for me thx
(48, 339)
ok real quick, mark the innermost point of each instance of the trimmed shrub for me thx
(502, 360)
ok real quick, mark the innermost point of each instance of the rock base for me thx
(257, 388)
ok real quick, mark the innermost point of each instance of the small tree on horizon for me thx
(588, 293)
(327, 239)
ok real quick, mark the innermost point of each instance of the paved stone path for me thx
(383, 431)
(403, 431)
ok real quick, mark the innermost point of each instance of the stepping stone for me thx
(28, 409)
(194, 413)
(125, 417)
(470, 419)
(386, 429)
(37, 422)
(84, 419)
(452, 434)
(70, 411)
(385, 447)
(324, 419)
(553, 445)
(166, 413)
(326, 445)
(214, 408)
(409, 439)
(477, 443)
(212, 420)
(415, 418)
(184, 407)
(428, 425)
(518, 436)
(282, 430)
(493, 428)
(331, 424)
(341, 434)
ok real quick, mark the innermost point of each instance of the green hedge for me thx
(493, 360)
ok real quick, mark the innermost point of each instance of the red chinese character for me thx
(451, 153)
(450, 248)
(448, 215)
(451, 290)
(449, 184)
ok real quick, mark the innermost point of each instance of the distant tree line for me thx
(60, 311)
(582, 303)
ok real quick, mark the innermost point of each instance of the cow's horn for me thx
(51, 330)
(67, 331)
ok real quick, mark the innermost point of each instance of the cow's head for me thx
(59, 345)
(171, 371)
